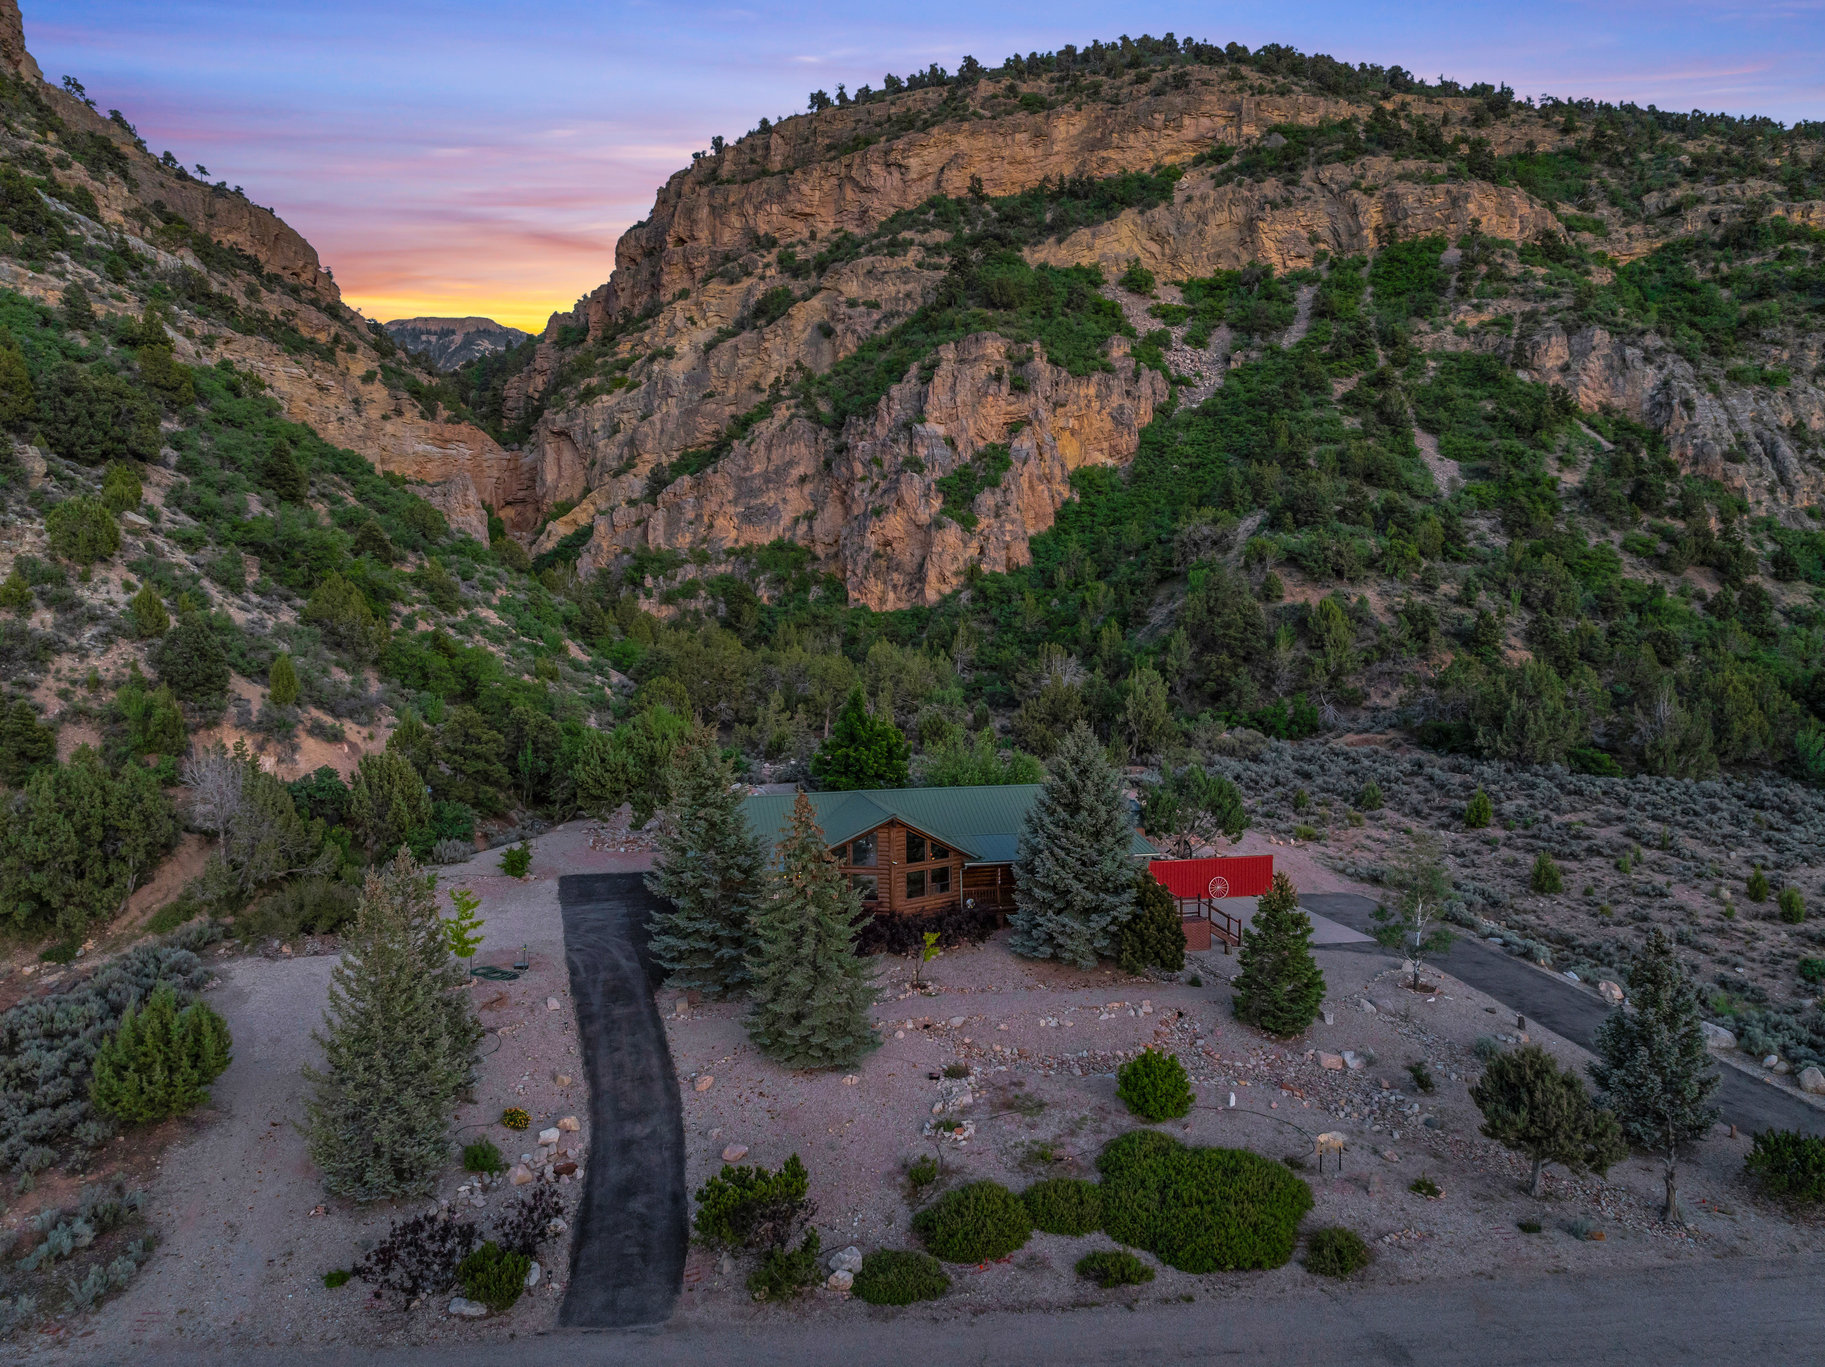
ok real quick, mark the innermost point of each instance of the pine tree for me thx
(711, 870)
(282, 682)
(282, 473)
(1280, 987)
(864, 750)
(1480, 811)
(160, 1061)
(1529, 1104)
(1074, 873)
(1154, 937)
(400, 1047)
(149, 616)
(1652, 1068)
(811, 992)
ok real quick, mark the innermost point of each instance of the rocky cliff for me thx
(716, 304)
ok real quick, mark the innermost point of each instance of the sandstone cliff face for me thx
(1745, 437)
(869, 504)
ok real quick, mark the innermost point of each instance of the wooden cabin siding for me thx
(892, 865)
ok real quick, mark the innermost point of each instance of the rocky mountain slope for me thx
(446, 343)
(791, 251)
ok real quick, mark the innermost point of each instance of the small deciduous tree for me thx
(811, 992)
(1652, 1067)
(161, 1060)
(463, 931)
(399, 1045)
(1415, 923)
(1532, 1105)
(1280, 988)
(864, 750)
(711, 871)
(1074, 871)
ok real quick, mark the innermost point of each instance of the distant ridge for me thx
(449, 342)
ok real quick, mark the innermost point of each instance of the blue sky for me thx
(482, 158)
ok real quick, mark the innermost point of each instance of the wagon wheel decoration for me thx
(1219, 887)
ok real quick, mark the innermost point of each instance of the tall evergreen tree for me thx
(401, 1044)
(1652, 1067)
(811, 992)
(864, 750)
(711, 869)
(387, 801)
(282, 682)
(1280, 987)
(1074, 874)
(1532, 1105)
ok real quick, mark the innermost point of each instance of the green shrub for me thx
(1425, 1186)
(1155, 1086)
(1758, 885)
(784, 1272)
(1787, 1163)
(1109, 1267)
(752, 1207)
(148, 612)
(516, 862)
(494, 1276)
(922, 1172)
(120, 488)
(482, 1156)
(1336, 1252)
(82, 530)
(337, 1277)
(892, 1276)
(1370, 799)
(1546, 877)
(1200, 1209)
(191, 660)
(161, 1061)
(1480, 812)
(1792, 905)
(1065, 1205)
(977, 1223)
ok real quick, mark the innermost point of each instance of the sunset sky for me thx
(464, 157)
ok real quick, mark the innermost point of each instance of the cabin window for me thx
(862, 851)
(940, 851)
(915, 848)
(915, 884)
(866, 886)
(941, 879)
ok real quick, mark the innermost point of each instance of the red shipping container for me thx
(1225, 876)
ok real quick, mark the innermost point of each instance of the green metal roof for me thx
(982, 823)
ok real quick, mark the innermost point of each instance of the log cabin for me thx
(917, 851)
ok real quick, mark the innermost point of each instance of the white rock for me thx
(840, 1281)
(845, 1260)
(1772, 1061)
(552, 1004)
(1812, 1080)
(1716, 1037)
(532, 1276)
(465, 1309)
(957, 1020)
(1610, 992)
(549, 1136)
(519, 1174)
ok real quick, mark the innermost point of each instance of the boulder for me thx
(465, 1309)
(845, 1260)
(1812, 1080)
(532, 1276)
(549, 1136)
(519, 1174)
(1610, 992)
(569, 1124)
(1716, 1037)
(840, 1281)
(734, 1153)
